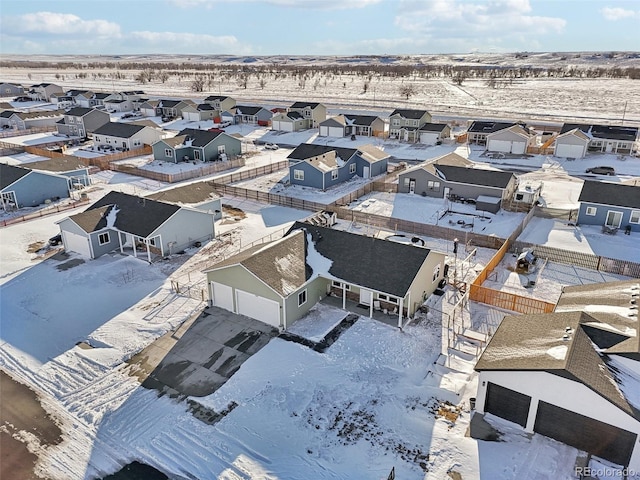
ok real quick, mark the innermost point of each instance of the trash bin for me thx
(472, 403)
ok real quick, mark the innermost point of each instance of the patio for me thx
(352, 306)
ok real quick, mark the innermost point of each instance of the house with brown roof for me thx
(572, 375)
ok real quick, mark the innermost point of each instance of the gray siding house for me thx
(404, 124)
(125, 136)
(478, 130)
(252, 115)
(322, 166)
(380, 274)
(200, 195)
(10, 89)
(347, 124)
(80, 121)
(613, 205)
(135, 225)
(606, 138)
(313, 112)
(44, 91)
(67, 166)
(23, 187)
(220, 103)
(197, 145)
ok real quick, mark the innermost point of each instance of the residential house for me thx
(11, 89)
(514, 139)
(201, 112)
(22, 187)
(606, 138)
(128, 223)
(613, 205)
(289, 122)
(35, 119)
(67, 166)
(197, 145)
(279, 282)
(452, 176)
(313, 112)
(172, 108)
(125, 136)
(404, 124)
(478, 130)
(322, 166)
(434, 133)
(62, 101)
(150, 108)
(199, 195)
(117, 105)
(5, 116)
(44, 91)
(80, 121)
(220, 103)
(571, 144)
(571, 375)
(253, 115)
(347, 125)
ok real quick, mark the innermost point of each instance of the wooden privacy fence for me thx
(509, 301)
(204, 170)
(103, 162)
(585, 260)
(43, 212)
(270, 198)
(253, 172)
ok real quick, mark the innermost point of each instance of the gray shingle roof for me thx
(433, 127)
(118, 129)
(10, 174)
(190, 194)
(309, 150)
(311, 105)
(78, 111)
(199, 138)
(380, 265)
(608, 193)
(366, 120)
(488, 127)
(136, 215)
(475, 176)
(247, 110)
(409, 113)
(612, 132)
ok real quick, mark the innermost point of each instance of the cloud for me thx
(302, 4)
(171, 42)
(57, 24)
(615, 13)
(475, 20)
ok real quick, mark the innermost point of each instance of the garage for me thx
(222, 296)
(518, 147)
(584, 433)
(284, 126)
(335, 132)
(506, 146)
(76, 243)
(260, 308)
(191, 116)
(428, 138)
(508, 404)
(569, 151)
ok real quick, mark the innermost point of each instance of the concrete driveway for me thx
(202, 354)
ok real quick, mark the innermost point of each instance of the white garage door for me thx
(284, 126)
(192, 116)
(222, 296)
(517, 147)
(428, 138)
(569, 151)
(262, 309)
(76, 243)
(324, 131)
(499, 146)
(336, 132)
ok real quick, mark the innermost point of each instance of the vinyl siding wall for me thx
(34, 188)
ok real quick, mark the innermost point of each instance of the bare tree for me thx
(262, 83)
(243, 81)
(459, 77)
(407, 89)
(198, 83)
(163, 76)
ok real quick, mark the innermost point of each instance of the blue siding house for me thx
(613, 205)
(23, 187)
(322, 166)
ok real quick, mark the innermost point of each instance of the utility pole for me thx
(624, 113)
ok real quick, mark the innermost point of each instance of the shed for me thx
(485, 203)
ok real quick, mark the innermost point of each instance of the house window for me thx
(152, 241)
(436, 272)
(395, 122)
(352, 168)
(72, 120)
(341, 285)
(302, 298)
(406, 181)
(137, 143)
(97, 139)
(168, 152)
(635, 216)
(298, 174)
(591, 211)
(387, 298)
(221, 149)
(415, 123)
(334, 174)
(103, 238)
(433, 185)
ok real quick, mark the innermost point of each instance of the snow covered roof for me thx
(609, 132)
(371, 153)
(448, 159)
(198, 138)
(607, 193)
(136, 215)
(380, 265)
(189, 194)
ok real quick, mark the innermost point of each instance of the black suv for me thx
(602, 170)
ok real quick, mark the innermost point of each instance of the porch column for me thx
(409, 304)
(120, 242)
(344, 295)
(135, 249)
(400, 307)
(148, 251)
(159, 237)
(370, 304)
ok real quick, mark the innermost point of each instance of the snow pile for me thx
(112, 216)
(318, 263)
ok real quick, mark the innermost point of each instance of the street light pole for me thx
(455, 259)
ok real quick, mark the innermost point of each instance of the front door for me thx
(366, 296)
(412, 186)
(196, 154)
(614, 219)
(609, 147)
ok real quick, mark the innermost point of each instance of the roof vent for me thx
(566, 338)
(568, 329)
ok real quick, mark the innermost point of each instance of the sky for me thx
(316, 27)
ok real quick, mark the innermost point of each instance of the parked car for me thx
(602, 170)
(271, 146)
(55, 240)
